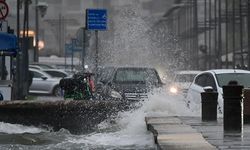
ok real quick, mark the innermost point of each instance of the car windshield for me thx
(241, 78)
(104, 74)
(184, 77)
(43, 66)
(46, 66)
(136, 75)
(56, 74)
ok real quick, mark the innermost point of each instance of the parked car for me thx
(215, 79)
(35, 67)
(43, 83)
(41, 66)
(71, 69)
(128, 83)
(181, 81)
(55, 73)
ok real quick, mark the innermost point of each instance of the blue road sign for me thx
(8, 44)
(96, 19)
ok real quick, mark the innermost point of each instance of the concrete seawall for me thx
(76, 116)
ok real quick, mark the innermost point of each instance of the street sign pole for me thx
(83, 47)
(17, 78)
(96, 20)
(96, 57)
(72, 57)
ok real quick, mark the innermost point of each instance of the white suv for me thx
(215, 79)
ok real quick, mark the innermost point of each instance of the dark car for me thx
(127, 83)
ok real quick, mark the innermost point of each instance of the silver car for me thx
(56, 73)
(41, 66)
(43, 83)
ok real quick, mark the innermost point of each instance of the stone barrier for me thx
(76, 116)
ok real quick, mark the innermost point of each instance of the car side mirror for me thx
(44, 78)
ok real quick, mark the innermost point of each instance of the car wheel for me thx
(57, 91)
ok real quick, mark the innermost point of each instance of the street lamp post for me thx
(36, 52)
(41, 8)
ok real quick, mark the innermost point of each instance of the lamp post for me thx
(37, 34)
(41, 8)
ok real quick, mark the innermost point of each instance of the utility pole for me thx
(25, 59)
(195, 15)
(40, 10)
(234, 33)
(205, 32)
(209, 35)
(36, 51)
(84, 39)
(241, 34)
(215, 33)
(60, 31)
(97, 51)
(226, 7)
(248, 19)
(219, 37)
(17, 62)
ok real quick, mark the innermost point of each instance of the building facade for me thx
(213, 33)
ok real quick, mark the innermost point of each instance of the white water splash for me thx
(162, 103)
(132, 123)
(18, 129)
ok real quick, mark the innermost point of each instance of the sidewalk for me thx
(177, 133)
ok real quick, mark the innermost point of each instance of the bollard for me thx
(209, 100)
(246, 105)
(232, 95)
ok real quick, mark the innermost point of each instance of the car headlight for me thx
(115, 94)
(173, 90)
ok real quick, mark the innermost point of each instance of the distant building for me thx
(64, 18)
(212, 33)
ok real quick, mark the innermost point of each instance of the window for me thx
(241, 78)
(201, 80)
(37, 74)
(136, 75)
(105, 74)
(211, 81)
(56, 74)
(130, 75)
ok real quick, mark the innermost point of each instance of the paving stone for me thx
(160, 120)
(193, 141)
(192, 133)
